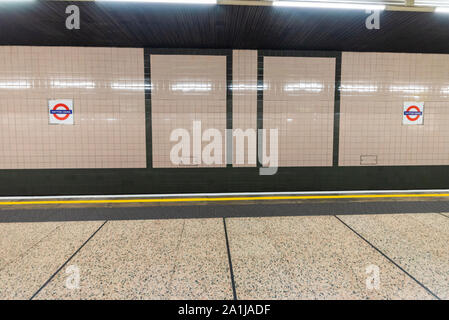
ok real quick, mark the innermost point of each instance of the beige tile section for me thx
(27, 271)
(374, 87)
(106, 86)
(152, 259)
(299, 103)
(445, 214)
(309, 258)
(188, 88)
(416, 242)
(244, 107)
(187, 77)
(17, 238)
(202, 267)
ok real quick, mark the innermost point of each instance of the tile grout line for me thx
(178, 245)
(231, 271)
(67, 261)
(442, 215)
(30, 248)
(388, 258)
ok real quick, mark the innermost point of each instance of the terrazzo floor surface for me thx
(387, 256)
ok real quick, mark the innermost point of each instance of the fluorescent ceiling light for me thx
(166, 1)
(325, 5)
(442, 9)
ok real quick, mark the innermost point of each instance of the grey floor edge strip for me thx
(388, 258)
(67, 261)
(231, 271)
(219, 211)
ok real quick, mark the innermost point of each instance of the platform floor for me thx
(277, 257)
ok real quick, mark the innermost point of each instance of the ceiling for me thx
(221, 26)
(392, 5)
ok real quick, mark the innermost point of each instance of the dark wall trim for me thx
(210, 52)
(336, 140)
(260, 70)
(148, 117)
(229, 138)
(237, 179)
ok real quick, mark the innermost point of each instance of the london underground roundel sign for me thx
(413, 113)
(60, 111)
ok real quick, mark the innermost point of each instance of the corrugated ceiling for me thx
(390, 2)
(435, 3)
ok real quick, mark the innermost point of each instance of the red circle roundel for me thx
(65, 113)
(413, 113)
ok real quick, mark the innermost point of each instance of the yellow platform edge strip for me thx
(355, 196)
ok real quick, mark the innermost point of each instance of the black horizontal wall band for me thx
(30, 182)
(198, 52)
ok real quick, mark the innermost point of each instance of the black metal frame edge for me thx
(315, 54)
(148, 117)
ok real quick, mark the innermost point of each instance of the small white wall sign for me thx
(413, 113)
(60, 111)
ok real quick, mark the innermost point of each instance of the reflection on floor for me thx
(388, 256)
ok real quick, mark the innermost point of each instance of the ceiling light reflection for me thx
(444, 90)
(130, 86)
(191, 86)
(409, 89)
(72, 84)
(15, 84)
(247, 87)
(326, 5)
(304, 86)
(358, 88)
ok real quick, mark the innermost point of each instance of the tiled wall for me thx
(298, 100)
(187, 88)
(297, 97)
(244, 106)
(374, 87)
(106, 86)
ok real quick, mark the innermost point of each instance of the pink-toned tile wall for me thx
(374, 87)
(106, 85)
(186, 88)
(299, 102)
(244, 105)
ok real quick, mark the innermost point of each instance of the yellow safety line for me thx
(8, 203)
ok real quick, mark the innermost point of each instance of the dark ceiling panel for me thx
(178, 26)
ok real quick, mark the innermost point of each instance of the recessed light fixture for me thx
(442, 9)
(166, 1)
(325, 5)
